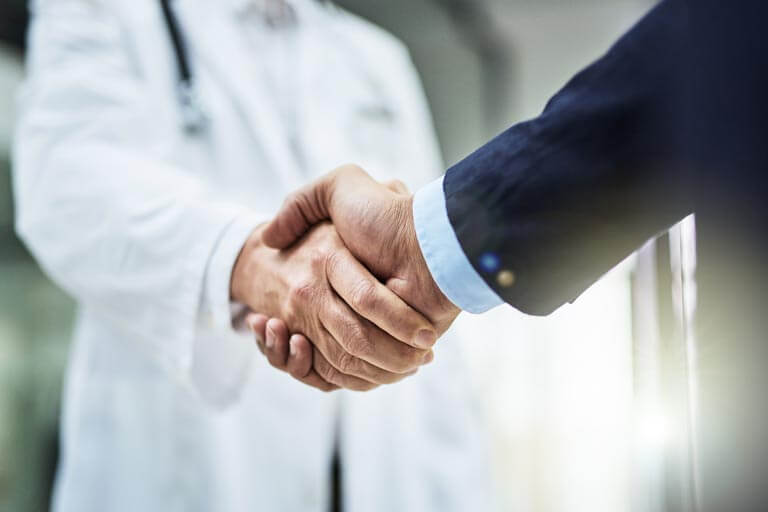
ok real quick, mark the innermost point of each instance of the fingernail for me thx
(425, 338)
(292, 347)
(270, 337)
(429, 357)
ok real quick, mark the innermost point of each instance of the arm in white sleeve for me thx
(127, 233)
(448, 264)
(219, 311)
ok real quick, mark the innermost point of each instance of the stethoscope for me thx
(193, 118)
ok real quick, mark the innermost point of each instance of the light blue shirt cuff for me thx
(450, 267)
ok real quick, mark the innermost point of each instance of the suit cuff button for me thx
(506, 278)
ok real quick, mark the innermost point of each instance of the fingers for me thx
(299, 212)
(304, 360)
(328, 373)
(358, 348)
(300, 364)
(308, 364)
(293, 355)
(257, 323)
(276, 345)
(369, 298)
(310, 205)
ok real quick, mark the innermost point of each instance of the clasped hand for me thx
(340, 293)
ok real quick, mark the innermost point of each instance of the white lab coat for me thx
(166, 407)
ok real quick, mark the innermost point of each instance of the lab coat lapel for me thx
(217, 44)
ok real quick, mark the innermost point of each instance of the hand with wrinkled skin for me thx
(291, 355)
(375, 222)
(363, 335)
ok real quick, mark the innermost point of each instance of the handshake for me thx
(340, 294)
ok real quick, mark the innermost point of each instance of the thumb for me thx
(300, 211)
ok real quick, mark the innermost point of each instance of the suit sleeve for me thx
(550, 205)
(126, 232)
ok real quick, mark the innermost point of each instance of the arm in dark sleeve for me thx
(559, 200)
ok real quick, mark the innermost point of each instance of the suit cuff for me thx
(449, 266)
(217, 307)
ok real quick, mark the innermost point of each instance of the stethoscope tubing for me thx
(194, 119)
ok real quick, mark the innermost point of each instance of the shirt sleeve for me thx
(449, 266)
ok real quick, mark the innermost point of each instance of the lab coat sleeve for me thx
(219, 310)
(128, 234)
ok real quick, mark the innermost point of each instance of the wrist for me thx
(417, 263)
(410, 240)
(246, 269)
(449, 266)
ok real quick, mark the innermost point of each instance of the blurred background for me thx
(588, 408)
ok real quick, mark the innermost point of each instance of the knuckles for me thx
(348, 169)
(319, 258)
(327, 372)
(308, 286)
(341, 379)
(409, 358)
(364, 297)
(356, 340)
(302, 293)
(347, 363)
(332, 261)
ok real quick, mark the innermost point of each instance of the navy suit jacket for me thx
(670, 121)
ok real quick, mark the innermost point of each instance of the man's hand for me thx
(291, 355)
(376, 224)
(364, 335)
